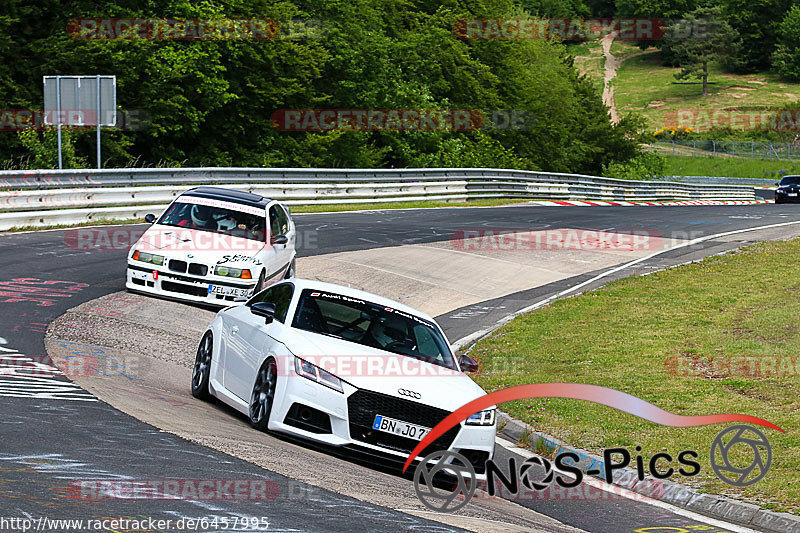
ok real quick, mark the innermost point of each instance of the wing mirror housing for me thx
(149, 218)
(264, 309)
(468, 364)
(279, 239)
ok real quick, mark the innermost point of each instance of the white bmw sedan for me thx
(215, 246)
(342, 367)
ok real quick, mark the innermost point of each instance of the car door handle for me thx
(234, 330)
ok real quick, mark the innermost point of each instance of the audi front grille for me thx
(364, 405)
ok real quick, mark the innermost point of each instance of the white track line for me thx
(478, 334)
(625, 493)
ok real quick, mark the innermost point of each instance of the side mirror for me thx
(279, 239)
(150, 218)
(468, 364)
(265, 309)
(777, 183)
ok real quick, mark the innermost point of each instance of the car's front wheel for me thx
(263, 394)
(202, 367)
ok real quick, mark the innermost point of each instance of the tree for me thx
(786, 58)
(699, 38)
(754, 21)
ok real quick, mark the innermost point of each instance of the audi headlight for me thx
(315, 373)
(147, 258)
(484, 418)
(233, 272)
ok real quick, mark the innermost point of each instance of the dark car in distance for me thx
(788, 190)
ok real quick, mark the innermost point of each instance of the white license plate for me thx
(398, 427)
(227, 291)
(140, 275)
(792, 194)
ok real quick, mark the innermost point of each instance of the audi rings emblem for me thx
(410, 393)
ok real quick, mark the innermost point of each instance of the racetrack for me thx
(147, 345)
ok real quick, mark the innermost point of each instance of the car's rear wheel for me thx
(263, 394)
(202, 367)
(290, 272)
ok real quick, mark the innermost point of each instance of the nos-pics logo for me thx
(538, 473)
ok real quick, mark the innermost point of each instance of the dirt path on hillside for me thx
(612, 63)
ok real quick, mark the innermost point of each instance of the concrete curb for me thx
(711, 505)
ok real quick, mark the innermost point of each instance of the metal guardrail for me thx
(43, 198)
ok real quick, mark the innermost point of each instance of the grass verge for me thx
(729, 167)
(626, 335)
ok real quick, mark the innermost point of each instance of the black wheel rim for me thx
(202, 363)
(263, 393)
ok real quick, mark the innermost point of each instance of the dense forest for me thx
(209, 102)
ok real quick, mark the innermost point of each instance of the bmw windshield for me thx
(215, 218)
(372, 325)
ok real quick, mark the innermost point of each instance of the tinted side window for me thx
(283, 221)
(274, 221)
(280, 295)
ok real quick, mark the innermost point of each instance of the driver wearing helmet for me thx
(201, 216)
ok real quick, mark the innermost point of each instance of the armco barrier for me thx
(52, 197)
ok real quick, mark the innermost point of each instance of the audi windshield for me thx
(373, 325)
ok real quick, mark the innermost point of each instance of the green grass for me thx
(623, 48)
(589, 59)
(729, 167)
(621, 335)
(644, 85)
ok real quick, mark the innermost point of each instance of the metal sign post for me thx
(82, 101)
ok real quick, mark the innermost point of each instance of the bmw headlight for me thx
(233, 272)
(147, 258)
(484, 418)
(315, 373)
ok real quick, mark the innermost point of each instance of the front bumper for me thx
(161, 282)
(344, 420)
(786, 197)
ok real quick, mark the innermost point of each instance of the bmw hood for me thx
(380, 371)
(200, 246)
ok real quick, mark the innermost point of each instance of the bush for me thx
(43, 149)
(645, 166)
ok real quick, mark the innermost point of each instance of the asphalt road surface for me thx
(48, 443)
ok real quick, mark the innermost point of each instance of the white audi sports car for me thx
(215, 246)
(342, 367)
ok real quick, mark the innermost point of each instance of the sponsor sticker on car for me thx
(398, 427)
